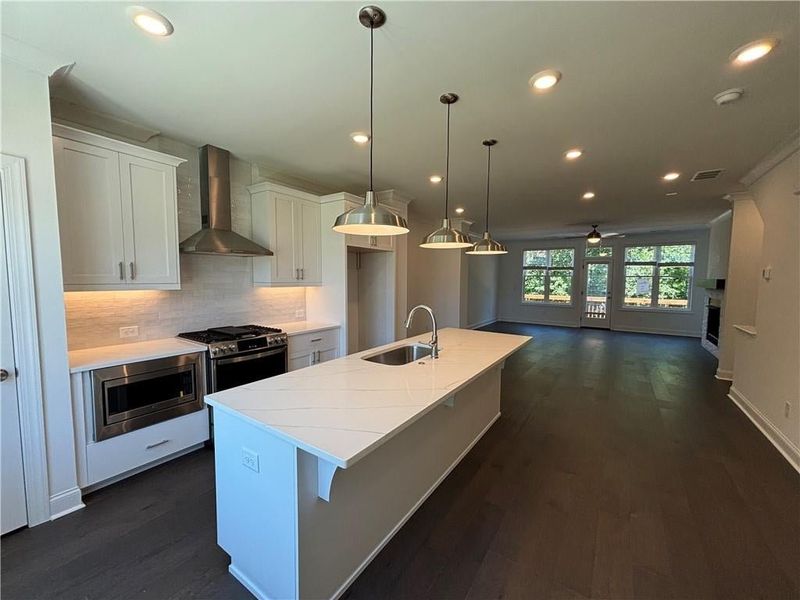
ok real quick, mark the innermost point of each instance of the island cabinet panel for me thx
(286, 541)
(257, 506)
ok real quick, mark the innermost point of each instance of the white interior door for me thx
(13, 511)
(596, 294)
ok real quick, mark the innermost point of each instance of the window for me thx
(547, 275)
(598, 251)
(659, 276)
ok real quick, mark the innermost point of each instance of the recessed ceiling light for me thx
(753, 51)
(435, 178)
(671, 176)
(459, 211)
(359, 137)
(150, 21)
(544, 80)
(588, 195)
(573, 153)
(672, 193)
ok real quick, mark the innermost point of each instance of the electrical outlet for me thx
(787, 409)
(299, 314)
(129, 332)
(250, 459)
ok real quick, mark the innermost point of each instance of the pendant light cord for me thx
(447, 166)
(488, 178)
(371, 88)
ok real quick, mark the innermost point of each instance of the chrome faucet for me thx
(434, 343)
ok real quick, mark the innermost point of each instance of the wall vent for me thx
(710, 174)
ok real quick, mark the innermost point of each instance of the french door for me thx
(596, 294)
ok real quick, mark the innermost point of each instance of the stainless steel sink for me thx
(402, 355)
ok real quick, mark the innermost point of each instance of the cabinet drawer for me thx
(129, 451)
(309, 342)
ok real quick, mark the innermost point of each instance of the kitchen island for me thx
(317, 469)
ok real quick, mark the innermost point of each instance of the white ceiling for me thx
(284, 84)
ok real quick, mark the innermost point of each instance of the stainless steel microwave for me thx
(132, 396)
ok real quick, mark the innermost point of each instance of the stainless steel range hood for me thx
(216, 236)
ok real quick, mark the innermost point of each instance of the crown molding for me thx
(31, 58)
(771, 160)
(734, 196)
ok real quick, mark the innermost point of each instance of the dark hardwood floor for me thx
(619, 469)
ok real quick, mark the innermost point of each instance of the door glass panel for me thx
(596, 290)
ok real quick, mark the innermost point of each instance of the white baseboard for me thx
(65, 502)
(538, 322)
(482, 323)
(657, 331)
(724, 375)
(343, 588)
(772, 433)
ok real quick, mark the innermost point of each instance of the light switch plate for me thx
(250, 459)
(129, 332)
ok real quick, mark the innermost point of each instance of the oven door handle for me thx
(237, 359)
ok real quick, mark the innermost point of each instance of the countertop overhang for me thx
(343, 409)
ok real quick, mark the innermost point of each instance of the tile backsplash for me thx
(215, 291)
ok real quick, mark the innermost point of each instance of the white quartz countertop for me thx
(120, 354)
(299, 327)
(343, 409)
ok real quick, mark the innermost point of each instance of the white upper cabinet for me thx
(287, 222)
(117, 212)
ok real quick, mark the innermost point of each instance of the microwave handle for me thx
(236, 359)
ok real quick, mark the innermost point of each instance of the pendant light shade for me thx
(594, 236)
(372, 218)
(488, 246)
(446, 237)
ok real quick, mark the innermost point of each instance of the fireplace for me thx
(712, 323)
(712, 315)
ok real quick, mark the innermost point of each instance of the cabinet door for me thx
(325, 355)
(285, 264)
(301, 361)
(89, 214)
(309, 241)
(150, 217)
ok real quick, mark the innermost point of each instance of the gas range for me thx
(242, 339)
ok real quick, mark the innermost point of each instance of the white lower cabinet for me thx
(306, 349)
(107, 460)
(130, 451)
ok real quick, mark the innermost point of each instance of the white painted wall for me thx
(741, 285)
(766, 374)
(434, 278)
(719, 245)
(483, 276)
(26, 133)
(511, 307)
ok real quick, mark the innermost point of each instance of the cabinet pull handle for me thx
(133, 271)
(373, 241)
(297, 273)
(156, 445)
(302, 273)
(121, 271)
(318, 359)
(316, 340)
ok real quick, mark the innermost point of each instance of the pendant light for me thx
(446, 237)
(487, 245)
(372, 218)
(594, 236)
